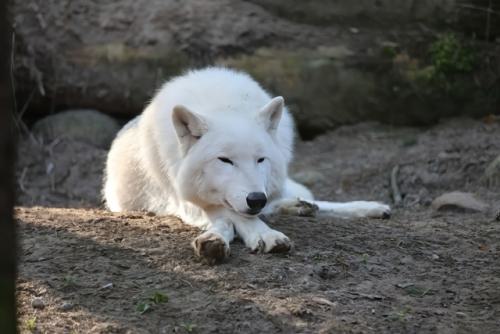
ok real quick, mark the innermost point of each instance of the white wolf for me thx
(213, 148)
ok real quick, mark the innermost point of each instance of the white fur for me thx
(167, 159)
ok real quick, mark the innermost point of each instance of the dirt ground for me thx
(421, 271)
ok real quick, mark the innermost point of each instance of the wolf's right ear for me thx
(270, 114)
(188, 126)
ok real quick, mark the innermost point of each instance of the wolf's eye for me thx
(225, 160)
(260, 160)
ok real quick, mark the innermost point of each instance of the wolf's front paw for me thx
(373, 210)
(270, 241)
(211, 247)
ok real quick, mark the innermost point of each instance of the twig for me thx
(365, 295)
(21, 179)
(12, 83)
(396, 194)
(186, 282)
(37, 75)
(26, 104)
(17, 117)
(19, 126)
(488, 21)
(482, 9)
(50, 147)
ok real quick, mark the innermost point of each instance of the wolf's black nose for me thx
(256, 201)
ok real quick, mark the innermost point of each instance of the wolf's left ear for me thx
(188, 126)
(270, 114)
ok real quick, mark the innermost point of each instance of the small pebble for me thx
(66, 306)
(37, 303)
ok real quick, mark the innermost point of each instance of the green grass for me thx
(30, 324)
(155, 299)
(189, 327)
(158, 298)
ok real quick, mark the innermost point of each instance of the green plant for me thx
(158, 298)
(143, 307)
(30, 324)
(401, 314)
(450, 56)
(389, 51)
(155, 299)
(365, 258)
(417, 291)
(69, 281)
(189, 327)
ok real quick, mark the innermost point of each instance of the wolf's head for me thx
(231, 159)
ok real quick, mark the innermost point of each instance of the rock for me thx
(491, 176)
(322, 12)
(328, 77)
(329, 86)
(38, 303)
(66, 306)
(89, 126)
(325, 272)
(439, 312)
(459, 201)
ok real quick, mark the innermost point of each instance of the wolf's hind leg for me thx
(356, 209)
(298, 200)
(293, 207)
(213, 244)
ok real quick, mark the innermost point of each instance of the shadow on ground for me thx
(420, 271)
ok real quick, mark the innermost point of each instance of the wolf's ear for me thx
(270, 114)
(188, 126)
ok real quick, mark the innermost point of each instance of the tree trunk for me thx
(7, 227)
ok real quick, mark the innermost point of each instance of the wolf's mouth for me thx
(253, 212)
(249, 213)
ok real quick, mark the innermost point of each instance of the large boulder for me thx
(89, 126)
